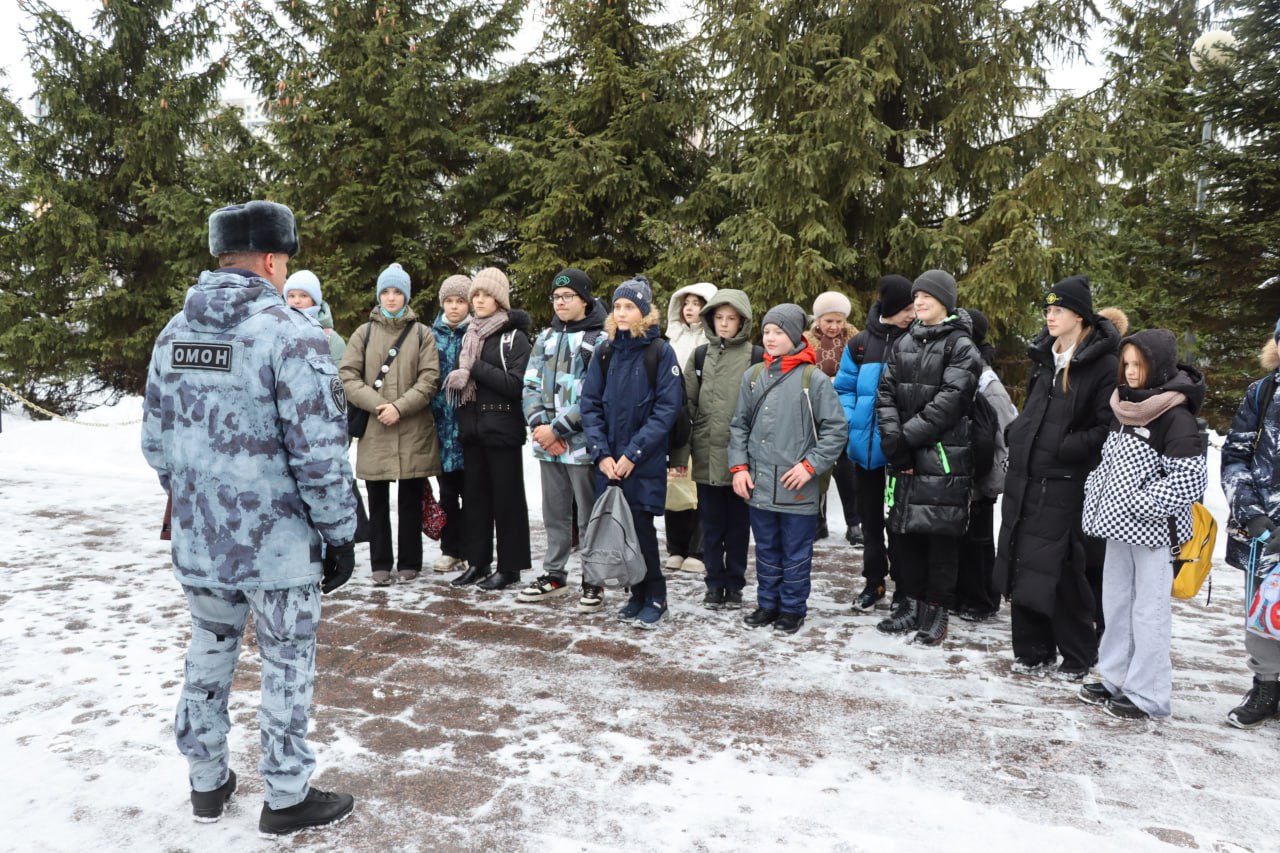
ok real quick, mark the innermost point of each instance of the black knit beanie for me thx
(1073, 294)
(574, 279)
(895, 294)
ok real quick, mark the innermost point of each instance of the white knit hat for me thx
(832, 302)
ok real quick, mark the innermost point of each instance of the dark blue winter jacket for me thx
(449, 344)
(627, 416)
(856, 386)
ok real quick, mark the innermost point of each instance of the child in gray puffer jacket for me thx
(788, 428)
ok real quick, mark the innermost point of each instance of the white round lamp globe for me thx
(1211, 48)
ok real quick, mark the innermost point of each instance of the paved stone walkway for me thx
(474, 722)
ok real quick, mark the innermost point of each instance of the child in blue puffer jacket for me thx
(856, 383)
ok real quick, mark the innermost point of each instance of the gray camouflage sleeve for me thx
(153, 424)
(312, 408)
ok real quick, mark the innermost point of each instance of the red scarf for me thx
(804, 356)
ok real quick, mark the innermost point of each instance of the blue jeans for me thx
(784, 557)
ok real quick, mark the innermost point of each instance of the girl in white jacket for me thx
(685, 333)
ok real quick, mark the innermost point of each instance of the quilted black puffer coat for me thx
(923, 405)
(1053, 445)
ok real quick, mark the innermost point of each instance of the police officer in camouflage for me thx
(245, 422)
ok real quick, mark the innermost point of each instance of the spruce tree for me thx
(372, 118)
(861, 139)
(614, 150)
(107, 192)
(1190, 224)
(1237, 228)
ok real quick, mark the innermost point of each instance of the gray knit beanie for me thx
(938, 284)
(790, 318)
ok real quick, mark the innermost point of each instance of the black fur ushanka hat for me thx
(257, 226)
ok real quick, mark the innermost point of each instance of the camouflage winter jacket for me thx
(1250, 469)
(245, 422)
(553, 382)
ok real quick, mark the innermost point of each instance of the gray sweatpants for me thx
(285, 621)
(1133, 657)
(1264, 656)
(562, 485)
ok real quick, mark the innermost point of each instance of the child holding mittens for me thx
(788, 429)
(450, 328)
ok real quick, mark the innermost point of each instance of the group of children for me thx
(1098, 471)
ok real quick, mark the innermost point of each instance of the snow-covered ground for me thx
(470, 722)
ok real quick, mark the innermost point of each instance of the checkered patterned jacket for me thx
(1149, 473)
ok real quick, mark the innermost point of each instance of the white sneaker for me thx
(448, 564)
(592, 600)
(693, 564)
(543, 588)
(674, 562)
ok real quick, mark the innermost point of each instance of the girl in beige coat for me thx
(400, 442)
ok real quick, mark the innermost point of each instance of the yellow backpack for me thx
(1193, 559)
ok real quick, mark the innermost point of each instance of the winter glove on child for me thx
(1257, 525)
(339, 562)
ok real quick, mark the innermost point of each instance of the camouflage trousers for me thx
(285, 622)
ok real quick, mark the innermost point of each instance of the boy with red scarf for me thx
(788, 429)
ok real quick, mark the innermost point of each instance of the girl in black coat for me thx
(1053, 445)
(486, 388)
(923, 405)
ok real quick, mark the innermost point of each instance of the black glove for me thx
(1258, 525)
(339, 562)
(1273, 545)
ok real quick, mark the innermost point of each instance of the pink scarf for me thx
(460, 388)
(1142, 413)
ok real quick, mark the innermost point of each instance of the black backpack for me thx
(984, 438)
(682, 430)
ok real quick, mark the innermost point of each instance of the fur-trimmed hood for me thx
(648, 321)
(1118, 318)
(1269, 356)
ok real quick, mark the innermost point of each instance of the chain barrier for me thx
(36, 408)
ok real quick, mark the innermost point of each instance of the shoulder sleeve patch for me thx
(338, 394)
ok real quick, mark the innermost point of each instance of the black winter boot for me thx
(904, 617)
(760, 617)
(1260, 704)
(933, 627)
(788, 623)
(206, 806)
(320, 808)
